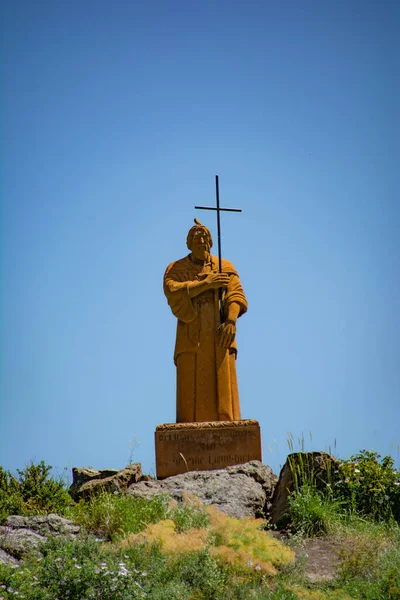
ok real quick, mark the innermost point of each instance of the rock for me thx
(24, 535)
(18, 542)
(299, 468)
(239, 491)
(80, 476)
(7, 559)
(45, 525)
(87, 482)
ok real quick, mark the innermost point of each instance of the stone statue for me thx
(205, 349)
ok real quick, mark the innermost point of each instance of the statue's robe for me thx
(207, 387)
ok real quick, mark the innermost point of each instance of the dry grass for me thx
(238, 542)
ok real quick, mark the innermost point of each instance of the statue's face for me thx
(200, 244)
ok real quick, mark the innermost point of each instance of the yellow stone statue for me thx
(205, 350)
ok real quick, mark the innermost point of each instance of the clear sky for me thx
(115, 118)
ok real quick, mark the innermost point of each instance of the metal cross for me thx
(218, 209)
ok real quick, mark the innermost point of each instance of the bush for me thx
(32, 492)
(369, 486)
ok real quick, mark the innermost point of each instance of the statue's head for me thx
(199, 241)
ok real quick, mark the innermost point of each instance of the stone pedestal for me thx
(182, 447)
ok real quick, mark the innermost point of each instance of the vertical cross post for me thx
(219, 209)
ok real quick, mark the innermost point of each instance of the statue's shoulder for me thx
(178, 266)
(227, 266)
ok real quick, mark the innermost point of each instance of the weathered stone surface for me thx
(24, 535)
(299, 468)
(7, 559)
(88, 481)
(18, 542)
(205, 446)
(51, 524)
(239, 491)
(81, 475)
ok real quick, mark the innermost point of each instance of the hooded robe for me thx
(207, 387)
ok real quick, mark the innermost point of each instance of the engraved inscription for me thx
(205, 448)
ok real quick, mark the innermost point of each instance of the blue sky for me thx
(115, 118)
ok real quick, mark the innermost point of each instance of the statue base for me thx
(182, 447)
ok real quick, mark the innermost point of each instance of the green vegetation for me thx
(32, 492)
(157, 549)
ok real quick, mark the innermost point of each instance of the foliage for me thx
(32, 492)
(113, 516)
(188, 514)
(76, 570)
(312, 512)
(237, 542)
(369, 486)
(368, 575)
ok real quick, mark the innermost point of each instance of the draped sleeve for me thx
(176, 278)
(234, 291)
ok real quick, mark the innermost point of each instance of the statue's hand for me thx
(226, 334)
(217, 280)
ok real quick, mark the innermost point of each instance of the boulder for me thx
(45, 525)
(24, 535)
(18, 542)
(7, 559)
(87, 482)
(239, 491)
(317, 468)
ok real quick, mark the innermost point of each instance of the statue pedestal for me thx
(182, 447)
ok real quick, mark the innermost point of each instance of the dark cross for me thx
(218, 209)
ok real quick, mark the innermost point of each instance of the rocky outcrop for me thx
(86, 482)
(317, 468)
(239, 491)
(44, 525)
(24, 535)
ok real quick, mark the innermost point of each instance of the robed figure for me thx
(205, 350)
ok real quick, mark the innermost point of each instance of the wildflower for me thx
(347, 480)
(397, 483)
(328, 485)
(357, 471)
(386, 498)
(78, 567)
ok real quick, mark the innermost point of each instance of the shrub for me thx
(32, 492)
(369, 486)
